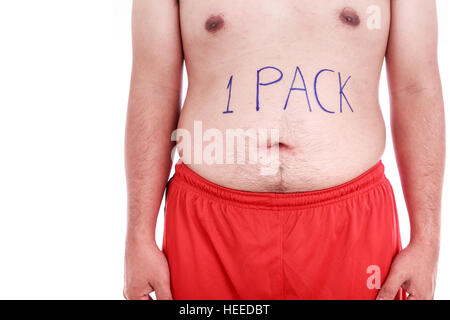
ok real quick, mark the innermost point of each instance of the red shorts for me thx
(336, 243)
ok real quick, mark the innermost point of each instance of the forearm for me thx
(418, 131)
(152, 116)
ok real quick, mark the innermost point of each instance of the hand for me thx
(413, 269)
(146, 270)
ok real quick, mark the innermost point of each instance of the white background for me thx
(64, 76)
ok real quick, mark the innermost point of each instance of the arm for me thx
(153, 111)
(418, 131)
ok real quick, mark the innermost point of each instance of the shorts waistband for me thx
(194, 182)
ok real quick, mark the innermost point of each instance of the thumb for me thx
(162, 291)
(391, 286)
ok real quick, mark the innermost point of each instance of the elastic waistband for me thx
(194, 182)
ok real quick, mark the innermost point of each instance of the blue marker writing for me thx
(315, 89)
(297, 70)
(341, 91)
(230, 83)
(258, 83)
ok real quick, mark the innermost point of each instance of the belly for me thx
(288, 144)
(281, 105)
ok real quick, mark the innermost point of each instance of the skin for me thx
(419, 141)
(317, 149)
(147, 149)
(320, 149)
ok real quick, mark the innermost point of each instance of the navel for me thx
(214, 24)
(349, 17)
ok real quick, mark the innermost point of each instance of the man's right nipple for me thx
(214, 23)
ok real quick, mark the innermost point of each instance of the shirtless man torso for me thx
(310, 71)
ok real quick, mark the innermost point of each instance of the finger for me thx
(412, 293)
(163, 292)
(390, 286)
(137, 295)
